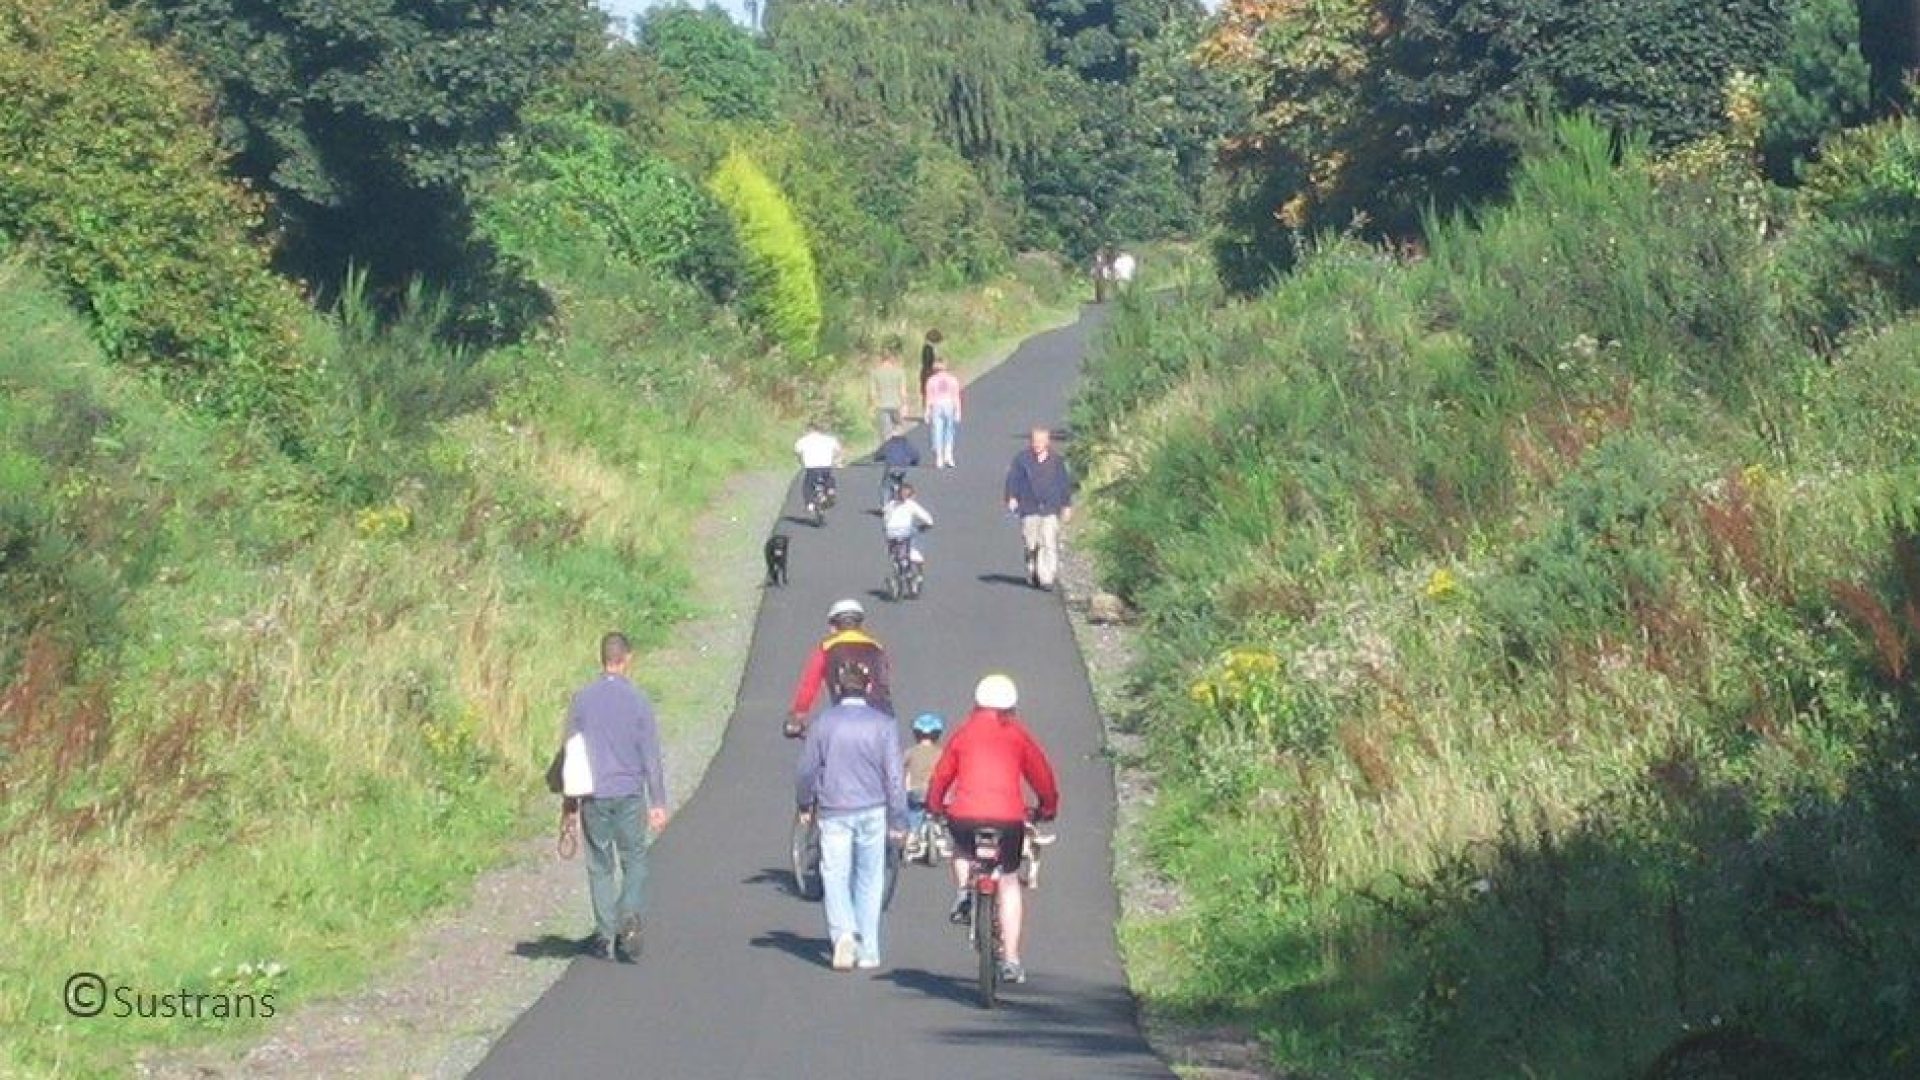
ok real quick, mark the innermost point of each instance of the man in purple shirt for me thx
(616, 722)
(850, 776)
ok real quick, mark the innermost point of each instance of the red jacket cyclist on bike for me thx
(845, 643)
(977, 783)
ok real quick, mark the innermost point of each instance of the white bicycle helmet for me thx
(996, 692)
(846, 609)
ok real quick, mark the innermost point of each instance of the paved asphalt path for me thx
(734, 981)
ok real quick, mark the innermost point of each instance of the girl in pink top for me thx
(943, 412)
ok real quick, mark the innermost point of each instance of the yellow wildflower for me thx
(1442, 584)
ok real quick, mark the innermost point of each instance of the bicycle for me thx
(907, 576)
(803, 853)
(820, 496)
(983, 919)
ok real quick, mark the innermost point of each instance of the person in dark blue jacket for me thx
(895, 457)
(1040, 490)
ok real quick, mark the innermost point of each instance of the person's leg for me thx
(942, 436)
(596, 825)
(1030, 535)
(1012, 909)
(836, 869)
(1048, 563)
(630, 838)
(869, 880)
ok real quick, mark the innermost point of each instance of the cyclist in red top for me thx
(978, 783)
(846, 643)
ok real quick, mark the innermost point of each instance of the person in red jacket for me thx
(978, 783)
(846, 643)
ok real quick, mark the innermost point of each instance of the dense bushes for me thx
(783, 289)
(115, 181)
(1527, 670)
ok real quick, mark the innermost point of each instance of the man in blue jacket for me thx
(1040, 490)
(850, 776)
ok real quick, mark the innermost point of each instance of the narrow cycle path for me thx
(734, 980)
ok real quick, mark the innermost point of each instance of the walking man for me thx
(1040, 490)
(622, 741)
(850, 777)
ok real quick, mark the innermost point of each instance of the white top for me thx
(900, 516)
(1123, 267)
(817, 450)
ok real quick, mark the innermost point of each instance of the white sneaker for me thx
(867, 964)
(843, 951)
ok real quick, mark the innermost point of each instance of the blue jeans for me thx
(614, 827)
(853, 868)
(916, 811)
(945, 421)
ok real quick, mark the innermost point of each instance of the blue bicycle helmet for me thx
(929, 723)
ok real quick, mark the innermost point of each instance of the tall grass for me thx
(1530, 645)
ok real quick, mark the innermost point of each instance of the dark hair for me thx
(935, 337)
(851, 680)
(614, 648)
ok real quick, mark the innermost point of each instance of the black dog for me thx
(776, 553)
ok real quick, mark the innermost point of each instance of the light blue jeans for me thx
(853, 868)
(944, 423)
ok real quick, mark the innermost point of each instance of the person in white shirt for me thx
(820, 453)
(1123, 267)
(902, 519)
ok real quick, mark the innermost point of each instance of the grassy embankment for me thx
(1531, 633)
(293, 728)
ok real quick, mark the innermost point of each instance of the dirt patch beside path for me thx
(469, 973)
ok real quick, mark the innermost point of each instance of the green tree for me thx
(1822, 85)
(782, 286)
(116, 186)
(1456, 75)
(714, 59)
(366, 119)
(975, 71)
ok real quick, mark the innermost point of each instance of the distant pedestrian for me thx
(852, 780)
(1040, 489)
(929, 356)
(1123, 269)
(887, 392)
(943, 412)
(1102, 272)
(622, 741)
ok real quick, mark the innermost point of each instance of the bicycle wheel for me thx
(986, 942)
(804, 851)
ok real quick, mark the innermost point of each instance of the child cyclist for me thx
(921, 757)
(901, 520)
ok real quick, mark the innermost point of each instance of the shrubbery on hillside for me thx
(1530, 653)
(113, 177)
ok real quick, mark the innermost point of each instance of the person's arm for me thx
(1039, 774)
(896, 781)
(1012, 487)
(959, 400)
(921, 515)
(806, 779)
(809, 686)
(942, 778)
(652, 767)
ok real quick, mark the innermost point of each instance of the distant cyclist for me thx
(820, 453)
(976, 784)
(847, 642)
(901, 521)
